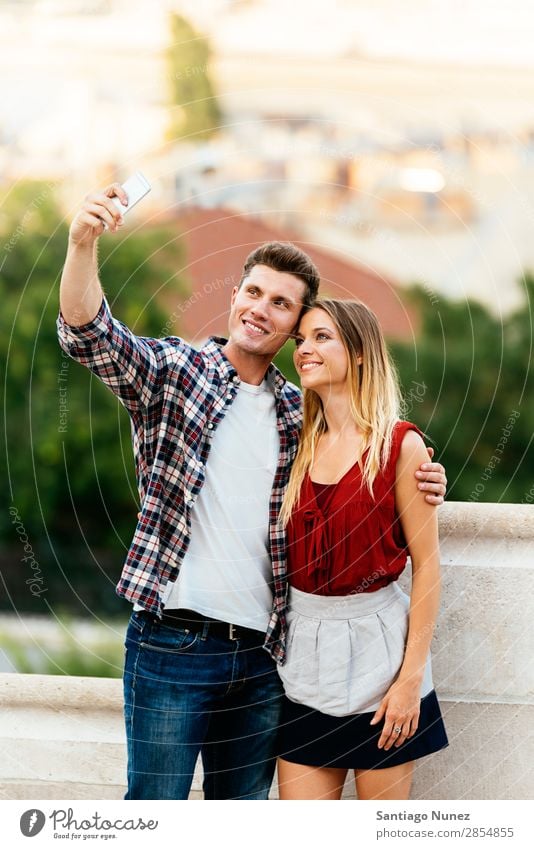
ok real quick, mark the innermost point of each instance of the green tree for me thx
(468, 383)
(71, 476)
(196, 111)
(284, 361)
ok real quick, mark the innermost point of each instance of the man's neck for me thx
(250, 368)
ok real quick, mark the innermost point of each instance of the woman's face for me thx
(320, 356)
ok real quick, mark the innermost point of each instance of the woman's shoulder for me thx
(402, 426)
(406, 436)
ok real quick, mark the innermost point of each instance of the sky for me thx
(495, 32)
(467, 31)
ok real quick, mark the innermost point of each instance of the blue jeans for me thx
(187, 692)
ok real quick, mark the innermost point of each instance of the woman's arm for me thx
(419, 522)
(420, 525)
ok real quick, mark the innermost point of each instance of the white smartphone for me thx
(136, 187)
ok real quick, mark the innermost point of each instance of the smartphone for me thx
(136, 187)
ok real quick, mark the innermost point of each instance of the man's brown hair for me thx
(286, 257)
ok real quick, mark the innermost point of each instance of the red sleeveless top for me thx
(340, 540)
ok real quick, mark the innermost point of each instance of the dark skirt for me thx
(349, 742)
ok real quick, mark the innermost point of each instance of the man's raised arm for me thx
(80, 293)
(133, 367)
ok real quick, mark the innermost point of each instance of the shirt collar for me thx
(213, 349)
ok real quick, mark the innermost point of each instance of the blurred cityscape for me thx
(399, 137)
(392, 141)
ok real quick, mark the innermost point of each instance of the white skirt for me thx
(344, 652)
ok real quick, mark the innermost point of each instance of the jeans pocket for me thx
(161, 638)
(137, 620)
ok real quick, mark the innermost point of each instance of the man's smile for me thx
(254, 328)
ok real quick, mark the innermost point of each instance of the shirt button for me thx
(210, 426)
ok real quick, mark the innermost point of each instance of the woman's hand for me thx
(401, 708)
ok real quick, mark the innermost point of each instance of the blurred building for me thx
(217, 242)
(370, 128)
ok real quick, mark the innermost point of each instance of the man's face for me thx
(265, 310)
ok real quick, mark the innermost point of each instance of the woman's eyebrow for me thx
(314, 330)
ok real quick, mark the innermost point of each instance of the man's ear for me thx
(235, 290)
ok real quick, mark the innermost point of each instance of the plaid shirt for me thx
(176, 396)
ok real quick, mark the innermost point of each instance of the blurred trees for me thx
(70, 475)
(195, 109)
(468, 383)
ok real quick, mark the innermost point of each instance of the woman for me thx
(358, 680)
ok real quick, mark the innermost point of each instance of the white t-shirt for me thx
(226, 572)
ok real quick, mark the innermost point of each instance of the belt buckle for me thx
(231, 632)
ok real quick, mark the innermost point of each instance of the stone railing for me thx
(63, 737)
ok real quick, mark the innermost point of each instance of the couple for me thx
(269, 540)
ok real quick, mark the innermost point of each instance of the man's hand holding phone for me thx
(105, 210)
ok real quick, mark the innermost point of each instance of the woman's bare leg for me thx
(296, 781)
(394, 782)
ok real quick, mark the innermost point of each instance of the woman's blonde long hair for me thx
(374, 397)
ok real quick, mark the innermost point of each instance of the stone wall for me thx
(63, 737)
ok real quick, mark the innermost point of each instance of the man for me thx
(214, 434)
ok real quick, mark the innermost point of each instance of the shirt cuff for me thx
(90, 332)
